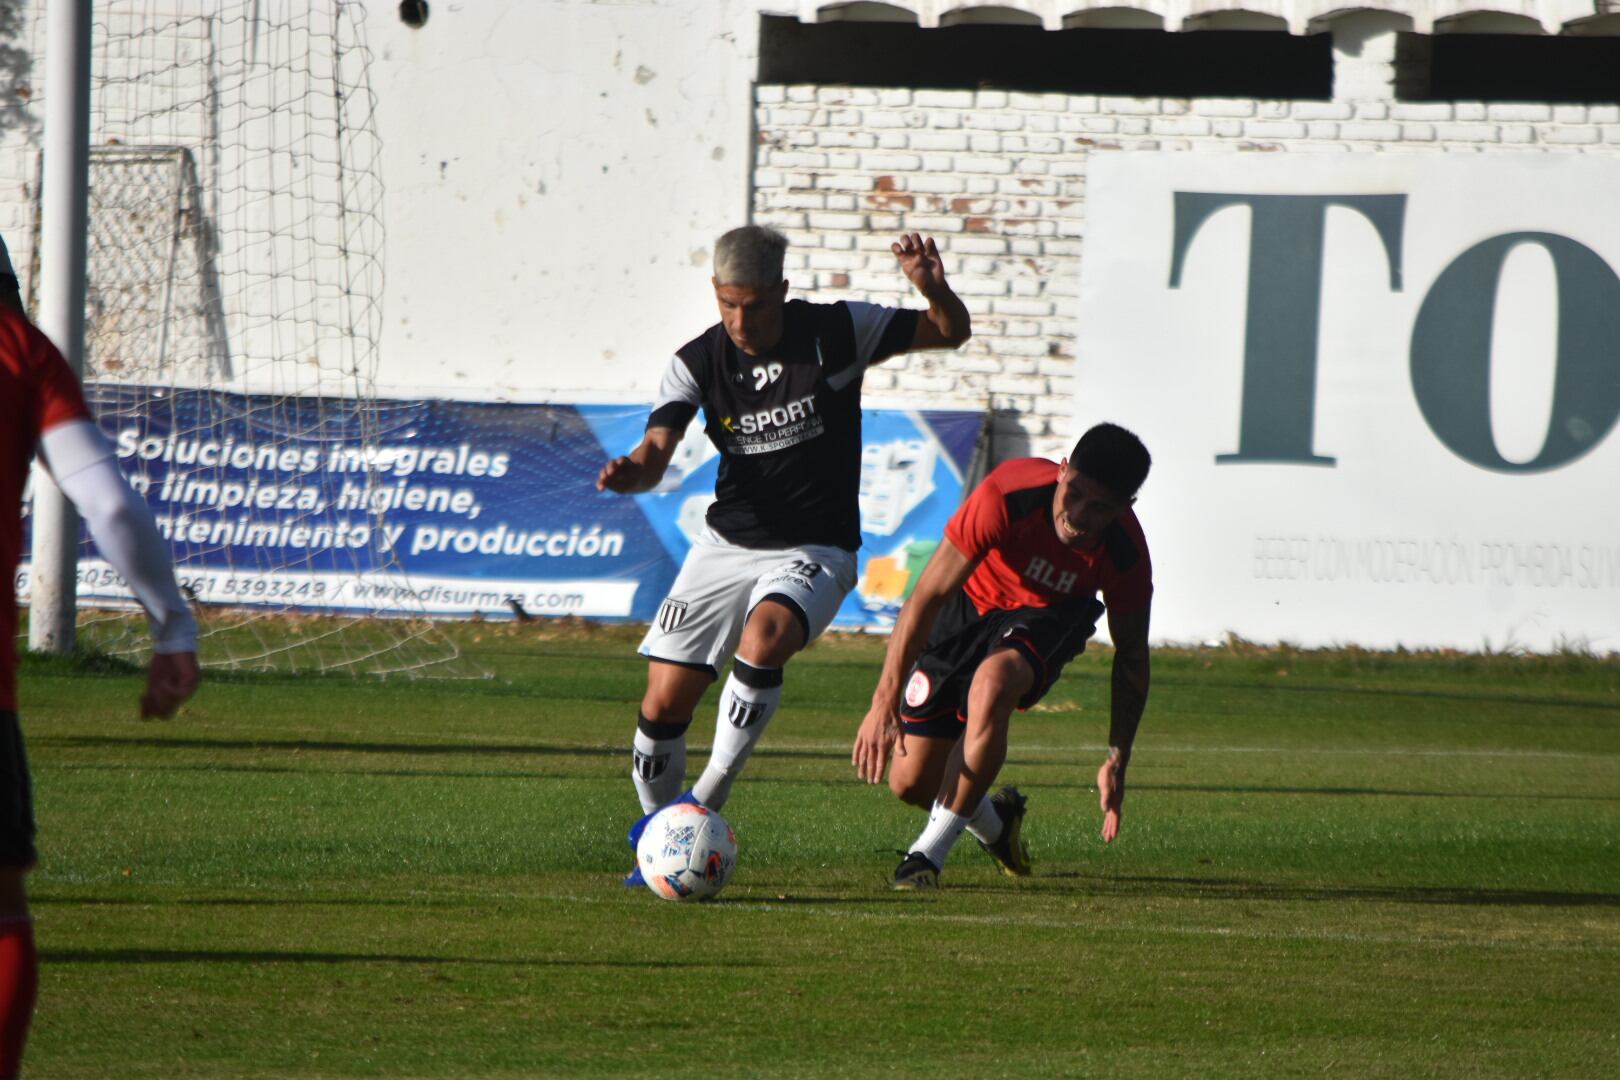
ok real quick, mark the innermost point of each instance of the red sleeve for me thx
(60, 398)
(1127, 591)
(980, 521)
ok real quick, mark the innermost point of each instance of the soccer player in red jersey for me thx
(42, 407)
(1004, 603)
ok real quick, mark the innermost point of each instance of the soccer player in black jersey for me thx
(779, 383)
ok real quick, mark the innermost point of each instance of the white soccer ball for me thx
(687, 852)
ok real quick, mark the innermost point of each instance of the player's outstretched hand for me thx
(1111, 796)
(171, 679)
(622, 474)
(879, 735)
(920, 262)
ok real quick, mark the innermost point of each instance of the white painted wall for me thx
(556, 171)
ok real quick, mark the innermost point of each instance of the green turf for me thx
(1339, 863)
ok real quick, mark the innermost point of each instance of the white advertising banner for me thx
(1380, 391)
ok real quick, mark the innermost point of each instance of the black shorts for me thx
(16, 796)
(935, 701)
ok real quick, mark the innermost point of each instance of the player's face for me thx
(1083, 508)
(751, 315)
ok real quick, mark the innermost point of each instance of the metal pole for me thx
(64, 221)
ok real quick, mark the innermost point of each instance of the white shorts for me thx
(701, 621)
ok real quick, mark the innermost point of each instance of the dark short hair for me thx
(1113, 457)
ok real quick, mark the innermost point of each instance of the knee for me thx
(673, 693)
(989, 708)
(998, 686)
(663, 727)
(664, 712)
(773, 633)
(911, 790)
(669, 711)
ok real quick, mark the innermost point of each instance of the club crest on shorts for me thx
(671, 613)
(918, 689)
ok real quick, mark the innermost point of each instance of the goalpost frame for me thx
(64, 228)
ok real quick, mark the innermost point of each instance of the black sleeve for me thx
(672, 414)
(898, 335)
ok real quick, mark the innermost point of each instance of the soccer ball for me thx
(687, 852)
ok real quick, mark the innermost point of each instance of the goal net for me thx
(235, 278)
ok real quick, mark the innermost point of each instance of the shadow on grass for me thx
(1341, 792)
(804, 900)
(233, 956)
(330, 746)
(1504, 696)
(1191, 888)
(46, 899)
(325, 747)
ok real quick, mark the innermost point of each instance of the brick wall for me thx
(998, 179)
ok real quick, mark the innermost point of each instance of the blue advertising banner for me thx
(456, 508)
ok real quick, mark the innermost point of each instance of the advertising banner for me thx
(1380, 391)
(456, 508)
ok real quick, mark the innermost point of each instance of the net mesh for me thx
(233, 317)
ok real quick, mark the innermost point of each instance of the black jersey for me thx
(788, 424)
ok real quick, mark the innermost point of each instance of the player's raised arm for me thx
(947, 323)
(1128, 697)
(642, 468)
(880, 731)
(121, 523)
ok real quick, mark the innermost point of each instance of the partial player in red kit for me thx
(42, 409)
(1005, 602)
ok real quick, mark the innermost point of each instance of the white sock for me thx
(986, 824)
(939, 835)
(658, 763)
(746, 706)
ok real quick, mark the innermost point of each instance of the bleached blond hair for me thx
(750, 255)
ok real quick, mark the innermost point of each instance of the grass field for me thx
(1338, 863)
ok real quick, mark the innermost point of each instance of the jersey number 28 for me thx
(766, 373)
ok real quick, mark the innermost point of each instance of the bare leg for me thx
(998, 684)
(771, 636)
(915, 778)
(1001, 680)
(673, 692)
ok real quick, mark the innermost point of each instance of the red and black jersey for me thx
(37, 392)
(1006, 524)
